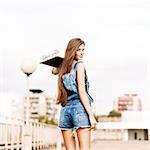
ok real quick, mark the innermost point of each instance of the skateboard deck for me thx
(54, 62)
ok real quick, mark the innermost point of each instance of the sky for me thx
(116, 33)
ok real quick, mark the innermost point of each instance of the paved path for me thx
(119, 145)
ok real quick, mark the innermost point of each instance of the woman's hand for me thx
(55, 71)
(93, 122)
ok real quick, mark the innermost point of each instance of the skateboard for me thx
(54, 62)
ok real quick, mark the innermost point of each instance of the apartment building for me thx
(40, 104)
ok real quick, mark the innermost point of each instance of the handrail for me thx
(12, 134)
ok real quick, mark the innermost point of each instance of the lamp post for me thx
(28, 67)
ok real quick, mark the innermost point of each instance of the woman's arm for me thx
(82, 92)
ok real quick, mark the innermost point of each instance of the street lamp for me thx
(28, 67)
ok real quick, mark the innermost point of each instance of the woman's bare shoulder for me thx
(80, 65)
(80, 61)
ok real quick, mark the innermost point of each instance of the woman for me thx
(76, 113)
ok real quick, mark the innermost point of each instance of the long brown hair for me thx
(66, 67)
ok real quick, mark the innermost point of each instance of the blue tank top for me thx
(69, 81)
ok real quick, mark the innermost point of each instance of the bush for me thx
(44, 119)
(114, 113)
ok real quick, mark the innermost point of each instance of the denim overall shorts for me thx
(73, 115)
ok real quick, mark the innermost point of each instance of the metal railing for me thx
(12, 134)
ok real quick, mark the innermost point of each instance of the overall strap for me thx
(75, 65)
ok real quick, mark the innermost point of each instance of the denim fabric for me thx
(73, 115)
(69, 81)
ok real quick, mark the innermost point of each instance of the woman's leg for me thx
(84, 136)
(69, 139)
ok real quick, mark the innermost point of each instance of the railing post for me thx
(18, 133)
(12, 132)
(27, 140)
(34, 134)
(6, 133)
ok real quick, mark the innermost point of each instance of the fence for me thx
(12, 134)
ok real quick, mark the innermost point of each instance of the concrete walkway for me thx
(119, 145)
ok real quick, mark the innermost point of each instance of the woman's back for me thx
(70, 84)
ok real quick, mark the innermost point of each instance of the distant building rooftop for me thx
(36, 91)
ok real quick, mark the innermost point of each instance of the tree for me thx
(44, 119)
(114, 113)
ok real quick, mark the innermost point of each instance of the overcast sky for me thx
(117, 37)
